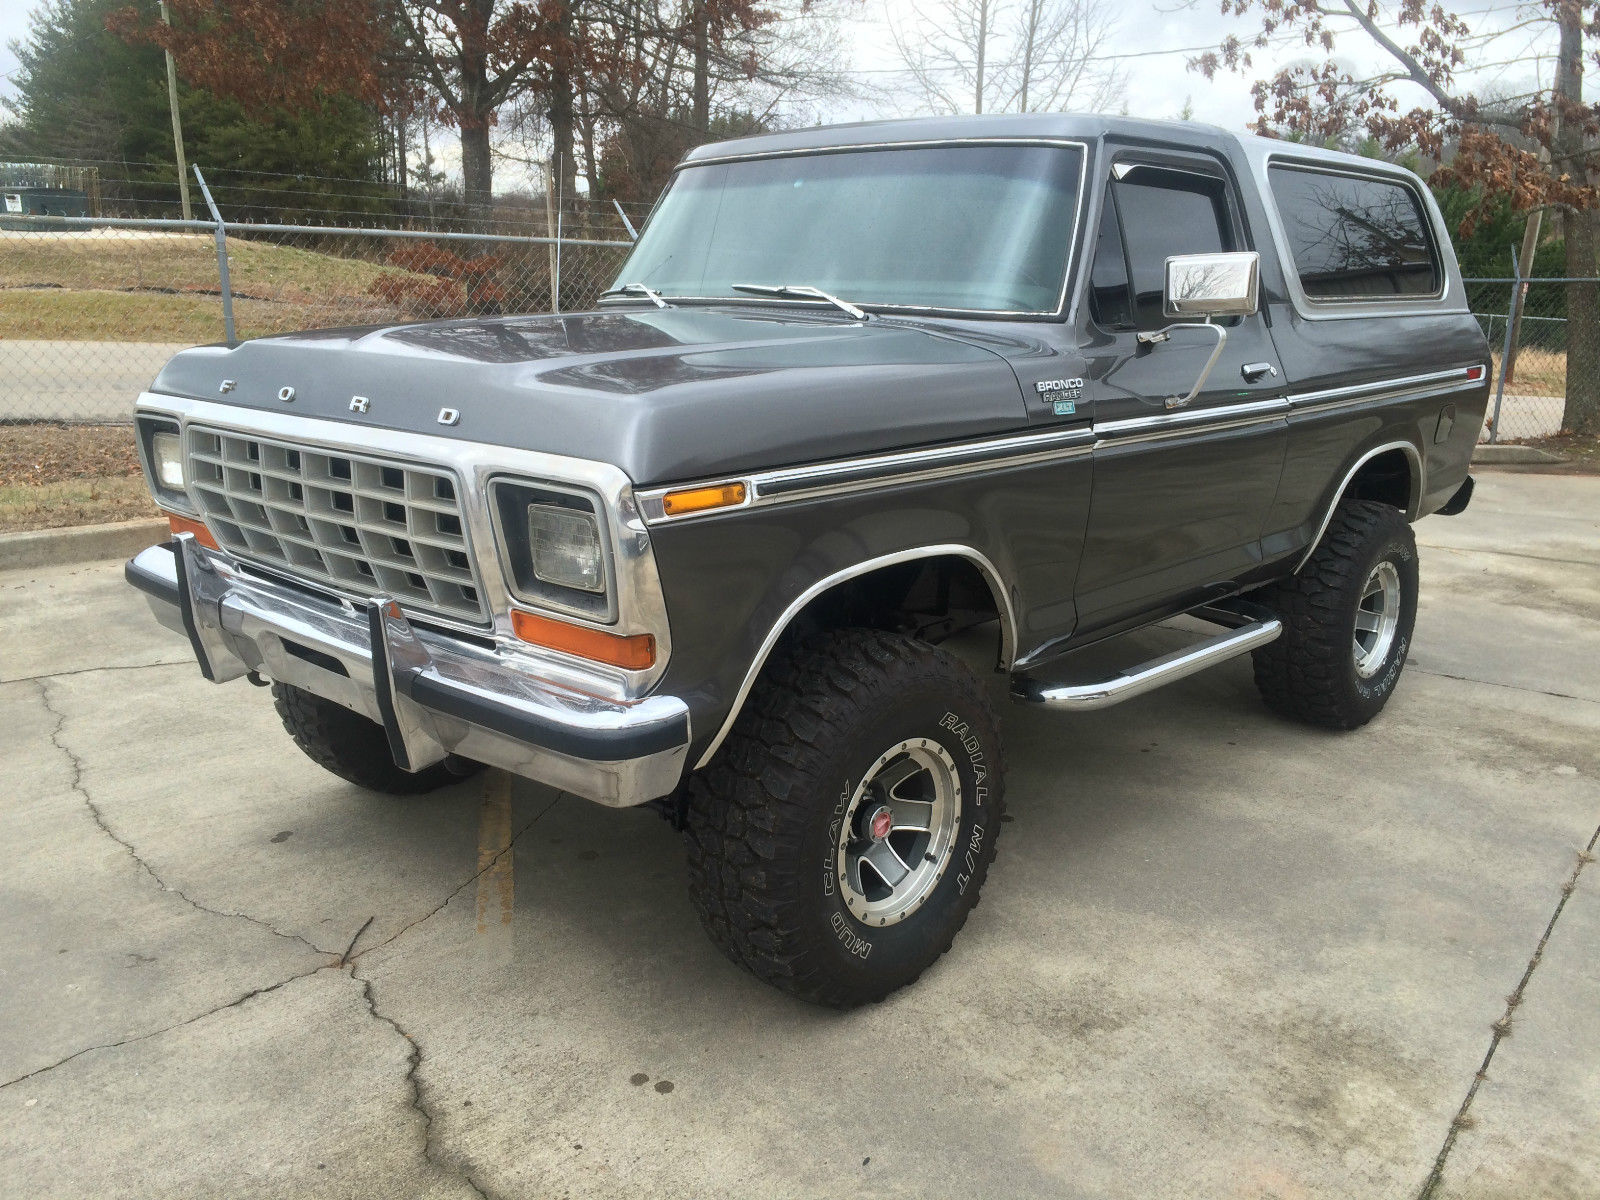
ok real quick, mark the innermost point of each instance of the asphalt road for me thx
(76, 381)
(1219, 954)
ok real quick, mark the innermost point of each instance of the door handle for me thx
(1255, 372)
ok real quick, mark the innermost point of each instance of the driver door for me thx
(1181, 487)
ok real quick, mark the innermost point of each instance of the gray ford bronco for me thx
(855, 390)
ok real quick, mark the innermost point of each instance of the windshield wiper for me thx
(637, 289)
(800, 289)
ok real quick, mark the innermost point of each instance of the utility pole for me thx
(177, 123)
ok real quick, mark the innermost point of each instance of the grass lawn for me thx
(94, 316)
(74, 502)
(56, 475)
(119, 285)
(115, 259)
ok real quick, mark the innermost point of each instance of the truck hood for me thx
(665, 394)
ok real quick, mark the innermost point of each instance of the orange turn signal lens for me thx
(186, 525)
(693, 500)
(635, 653)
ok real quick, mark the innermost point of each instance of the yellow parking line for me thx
(495, 888)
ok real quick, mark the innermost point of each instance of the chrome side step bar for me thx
(1146, 677)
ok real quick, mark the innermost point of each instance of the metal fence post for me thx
(626, 224)
(222, 260)
(555, 285)
(1505, 354)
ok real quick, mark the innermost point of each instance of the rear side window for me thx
(1166, 213)
(1353, 237)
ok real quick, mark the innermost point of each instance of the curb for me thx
(80, 543)
(1484, 452)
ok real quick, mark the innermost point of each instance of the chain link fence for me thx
(91, 307)
(1530, 333)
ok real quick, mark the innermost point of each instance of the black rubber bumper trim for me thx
(152, 585)
(655, 737)
(381, 689)
(1458, 502)
(186, 610)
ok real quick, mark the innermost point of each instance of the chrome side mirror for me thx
(1212, 285)
(1208, 286)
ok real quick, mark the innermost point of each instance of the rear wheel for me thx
(840, 838)
(356, 749)
(1347, 619)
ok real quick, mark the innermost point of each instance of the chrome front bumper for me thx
(434, 695)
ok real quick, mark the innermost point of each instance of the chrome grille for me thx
(361, 525)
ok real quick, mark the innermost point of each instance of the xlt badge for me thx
(1063, 394)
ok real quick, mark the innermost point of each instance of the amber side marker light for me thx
(634, 653)
(693, 500)
(185, 525)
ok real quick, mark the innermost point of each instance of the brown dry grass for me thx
(183, 262)
(96, 316)
(1538, 373)
(57, 475)
(109, 285)
(76, 502)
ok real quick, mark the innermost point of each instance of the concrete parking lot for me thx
(1219, 954)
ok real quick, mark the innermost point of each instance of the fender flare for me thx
(986, 568)
(1413, 509)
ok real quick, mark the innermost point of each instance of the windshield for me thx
(985, 227)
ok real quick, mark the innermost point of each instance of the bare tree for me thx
(661, 76)
(1009, 55)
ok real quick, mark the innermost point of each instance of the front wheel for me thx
(1347, 621)
(356, 749)
(841, 837)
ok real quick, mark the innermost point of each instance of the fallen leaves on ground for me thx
(49, 453)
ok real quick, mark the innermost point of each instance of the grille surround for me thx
(359, 524)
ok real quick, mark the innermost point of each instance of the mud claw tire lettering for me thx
(764, 816)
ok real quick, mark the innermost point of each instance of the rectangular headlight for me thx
(565, 548)
(556, 547)
(166, 454)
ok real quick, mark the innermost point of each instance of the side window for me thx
(1110, 301)
(1354, 237)
(1166, 213)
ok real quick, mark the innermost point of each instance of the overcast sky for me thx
(1155, 31)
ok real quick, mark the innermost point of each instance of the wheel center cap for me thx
(880, 824)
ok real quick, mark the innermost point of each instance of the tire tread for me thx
(746, 813)
(1300, 674)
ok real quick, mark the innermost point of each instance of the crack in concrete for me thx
(463, 886)
(1515, 687)
(100, 820)
(180, 662)
(1564, 562)
(414, 1082)
(1501, 1029)
(144, 1037)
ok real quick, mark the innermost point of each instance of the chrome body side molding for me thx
(792, 484)
(1176, 424)
(1384, 389)
(869, 472)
